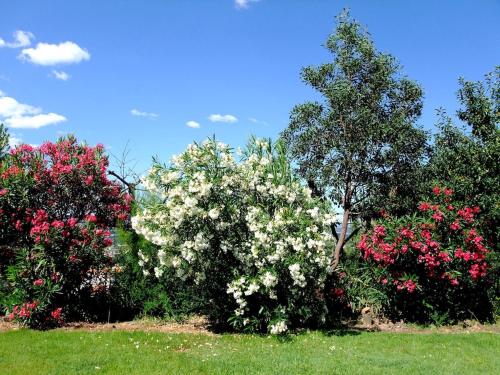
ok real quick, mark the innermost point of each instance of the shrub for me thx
(466, 157)
(247, 234)
(134, 295)
(432, 265)
(56, 208)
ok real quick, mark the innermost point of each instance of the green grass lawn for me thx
(121, 352)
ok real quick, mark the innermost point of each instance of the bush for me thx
(432, 266)
(56, 208)
(466, 158)
(254, 243)
(134, 295)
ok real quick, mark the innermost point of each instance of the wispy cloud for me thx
(59, 74)
(223, 118)
(193, 124)
(256, 121)
(20, 39)
(243, 4)
(136, 112)
(54, 54)
(25, 116)
(34, 122)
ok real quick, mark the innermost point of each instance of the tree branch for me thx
(130, 185)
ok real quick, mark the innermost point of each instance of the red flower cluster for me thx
(24, 311)
(442, 244)
(56, 314)
(408, 285)
(57, 200)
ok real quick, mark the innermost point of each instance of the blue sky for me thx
(179, 61)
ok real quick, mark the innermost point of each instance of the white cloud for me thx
(256, 121)
(243, 4)
(193, 124)
(34, 122)
(54, 54)
(2, 93)
(19, 115)
(10, 107)
(21, 39)
(223, 118)
(136, 112)
(59, 74)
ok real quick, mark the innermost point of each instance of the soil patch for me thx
(198, 325)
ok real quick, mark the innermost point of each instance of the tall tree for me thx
(359, 147)
(467, 159)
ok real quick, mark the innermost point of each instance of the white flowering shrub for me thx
(245, 231)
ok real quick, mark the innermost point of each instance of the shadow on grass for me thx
(339, 331)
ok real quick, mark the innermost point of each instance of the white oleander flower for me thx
(158, 272)
(298, 278)
(214, 213)
(278, 328)
(269, 280)
(252, 288)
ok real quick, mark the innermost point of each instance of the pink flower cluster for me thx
(443, 240)
(24, 311)
(57, 200)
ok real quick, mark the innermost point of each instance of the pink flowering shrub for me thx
(56, 210)
(432, 265)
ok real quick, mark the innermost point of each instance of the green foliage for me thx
(357, 279)
(134, 295)
(468, 160)
(4, 141)
(359, 146)
(5, 290)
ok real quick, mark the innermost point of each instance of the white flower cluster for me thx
(143, 259)
(210, 207)
(278, 328)
(236, 288)
(298, 278)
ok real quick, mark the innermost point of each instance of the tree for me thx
(4, 141)
(360, 146)
(467, 161)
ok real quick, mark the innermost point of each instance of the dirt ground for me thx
(468, 326)
(192, 325)
(198, 325)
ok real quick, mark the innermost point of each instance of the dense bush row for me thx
(240, 240)
(249, 239)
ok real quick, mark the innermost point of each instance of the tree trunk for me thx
(342, 237)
